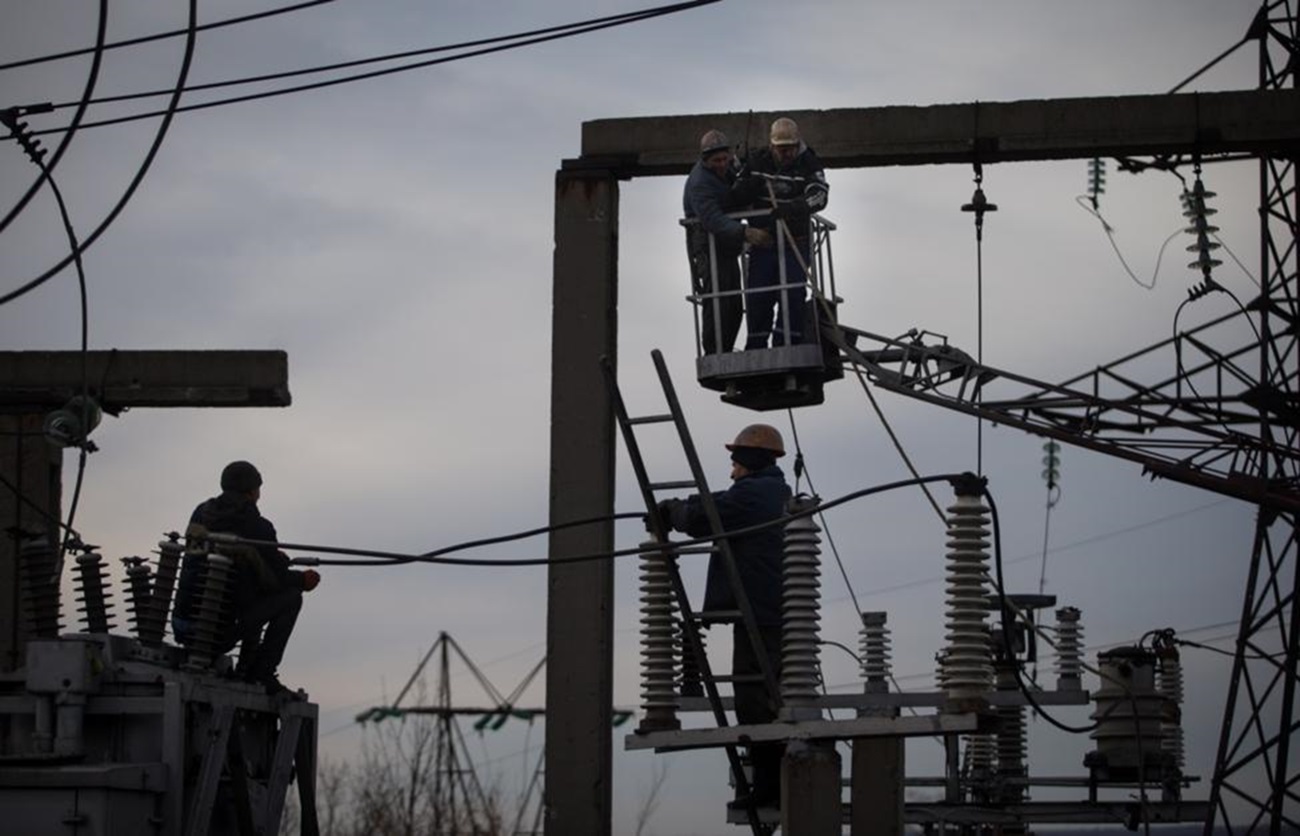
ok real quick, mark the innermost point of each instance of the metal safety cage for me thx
(776, 376)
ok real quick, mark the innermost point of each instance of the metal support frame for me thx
(1255, 768)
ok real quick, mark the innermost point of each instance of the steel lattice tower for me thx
(1254, 767)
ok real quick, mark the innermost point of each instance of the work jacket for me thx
(752, 499)
(800, 188)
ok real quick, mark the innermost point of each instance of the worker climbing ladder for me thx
(660, 568)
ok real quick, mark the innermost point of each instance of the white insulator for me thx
(1069, 650)
(1169, 681)
(968, 660)
(138, 577)
(873, 648)
(91, 585)
(1011, 740)
(979, 756)
(210, 612)
(800, 614)
(938, 669)
(658, 644)
(38, 587)
(153, 621)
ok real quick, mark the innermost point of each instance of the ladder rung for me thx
(671, 486)
(650, 419)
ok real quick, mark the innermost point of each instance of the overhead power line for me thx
(174, 107)
(92, 79)
(500, 43)
(160, 36)
(135, 181)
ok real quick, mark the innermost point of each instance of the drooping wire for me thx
(515, 42)
(1110, 236)
(135, 181)
(92, 79)
(438, 556)
(159, 36)
(898, 445)
(32, 147)
(1005, 609)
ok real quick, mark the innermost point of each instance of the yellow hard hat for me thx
(761, 436)
(784, 132)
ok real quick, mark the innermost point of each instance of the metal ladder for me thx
(691, 622)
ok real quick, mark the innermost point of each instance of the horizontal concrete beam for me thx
(704, 738)
(1251, 121)
(33, 380)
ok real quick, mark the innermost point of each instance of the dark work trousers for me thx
(260, 654)
(766, 306)
(753, 705)
(725, 310)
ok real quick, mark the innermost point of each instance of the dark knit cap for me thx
(240, 477)
(753, 458)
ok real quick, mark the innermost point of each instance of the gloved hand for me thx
(783, 212)
(757, 238)
(664, 510)
(310, 580)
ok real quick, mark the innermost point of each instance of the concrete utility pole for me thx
(32, 383)
(580, 604)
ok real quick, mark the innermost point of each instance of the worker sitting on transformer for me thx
(786, 177)
(265, 592)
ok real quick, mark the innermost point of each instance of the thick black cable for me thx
(1005, 612)
(570, 31)
(395, 56)
(437, 556)
(36, 154)
(84, 445)
(92, 79)
(159, 36)
(135, 181)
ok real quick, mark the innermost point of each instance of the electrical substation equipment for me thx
(1198, 212)
(967, 666)
(1130, 715)
(979, 708)
(71, 425)
(108, 733)
(1051, 464)
(1096, 180)
(801, 614)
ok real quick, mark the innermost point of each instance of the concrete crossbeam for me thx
(1255, 121)
(31, 380)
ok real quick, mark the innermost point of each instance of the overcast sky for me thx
(395, 236)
